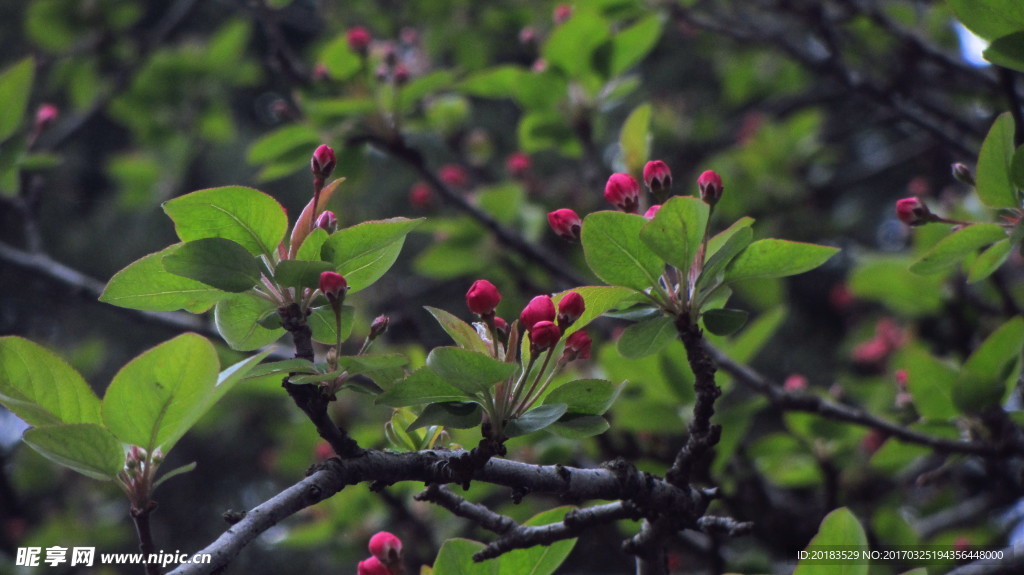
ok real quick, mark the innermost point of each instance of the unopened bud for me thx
(570, 308)
(372, 566)
(623, 192)
(334, 286)
(379, 326)
(327, 222)
(577, 346)
(359, 39)
(544, 335)
(540, 309)
(421, 197)
(565, 223)
(963, 174)
(561, 14)
(322, 163)
(913, 212)
(518, 164)
(652, 211)
(710, 185)
(658, 178)
(46, 115)
(453, 175)
(387, 548)
(795, 382)
(482, 298)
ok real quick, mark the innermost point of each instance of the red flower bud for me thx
(327, 222)
(623, 192)
(323, 451)
(482, 297)
(710, 185)
(577, 346)
(358, 39)
(658, 178)
(570, 308)
(421, 196)
(401, 74)
(544, 335)
(540, 308)
(652, 211)
(379, 326)
(795, 382)
(562, 13)
(333, 285)
(518, 164)
(566, 223)
(913, 212)
(322, 163)
(501, 326)
(387, 548)
(46, 114)
(372, 566)
(454, 175)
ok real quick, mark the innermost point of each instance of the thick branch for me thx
(146, 545)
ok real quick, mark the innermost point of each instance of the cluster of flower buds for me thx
(623, 192)
(386, 556)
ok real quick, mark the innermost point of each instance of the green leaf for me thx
(539, 559)
(309, 251)
(419, 88)
(598, 301)
(158, 396)
(888, 280)
(1007, 51)
(632, 44)
(496, 82)
(578, 426)
(322, 321)
(237, 320)
(585, 396)
(284, 366)
(953, 248)
(87, 448)
(421, 386)
(993, 174)
(635, 139)
(773, 258)
(983, 379)
(281, 141)
(571, 46)
(990, 260)
(712, 274)
(452, 414)
(534, 420)
(540, 91)
(724, 321)
(15, 89)
(233, 375)
(300, 273)
(990, 19)
(180, 470)
(1017, 169)
(364, 252)
(745, 346)
(146, 285)
(243, 215)
(456, 558)
(545, 129)
(786, 461)
(839, 527)
(931, 383)
(469, 371)
(614, 251)
(463, 334)
(646, 337)
(677, 231)
(216, 262)
(341, 62)
(41, 388)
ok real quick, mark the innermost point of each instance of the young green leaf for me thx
(931, 384)
(145, 284)
(993, 174)
(461, 332)
(982, 380)
(677, 231)
(614, 251)
(1007, 51)
(41, 388)
(233, 375)
(540, 559)
(453, 414)
(420, 387)
(721, 257)
(216, 262)
(88, 448)
(301, 274)
(15, 89)
(456, 558)
(946, 254)
(322, 321)
(635, 139)
(774, 258)
(237, 319)
(633, 43)
(585, 396)
(180, 470)
(284, 366)
(990, 260)
(469, 371)
(536, 419)
(154, 399)
(364, 252)
(572, 44)
(646, 337)
(579, 426)
(341, 62)
(369, 363)
(599, 300)
(309, 251)
(724, 321)
(839, 527)
(243, 215)
(990, 19)
(495, 82)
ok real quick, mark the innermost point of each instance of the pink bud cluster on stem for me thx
(321, 164)
(386, 556)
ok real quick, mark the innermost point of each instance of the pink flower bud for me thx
(562, 13)
(401, 74)
(901, 379)
(577, 346)
(320, 72)
(540, 308)
(501, 326)
(358, 39)
(482, 297)
(518, 164)
(623, 192)
(565, 223)
(795, 382)
(913, 212)
(387, 548)
(544, 335)
(372, 566)
(379, 326)
(658, 178)
(421, 196)
(46, 115)
(527, 35)
(333, 285)
(570, 308)
(963, 174)
(710, 185)
(539, 66)
(322, 163)
(453, 175)
(652, 211)
(327, 222)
